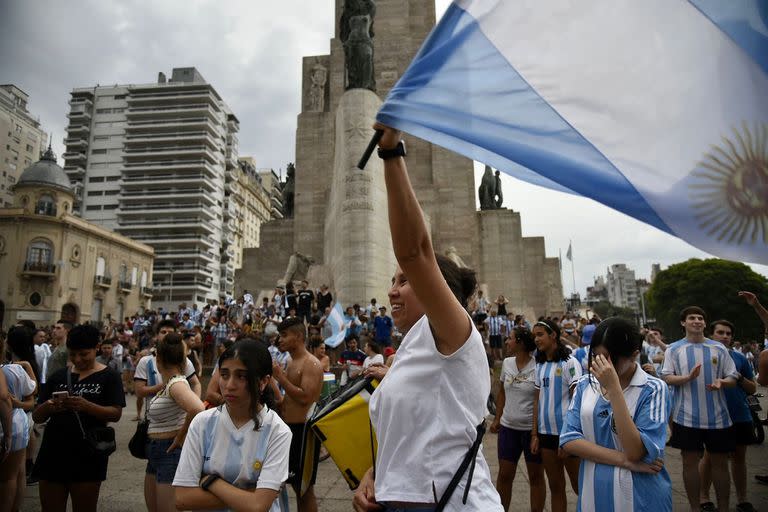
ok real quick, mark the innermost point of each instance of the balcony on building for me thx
(134, 184)
(73, 157)
(147, 291)
(75, 143)
(164, 169)
(125, 286)
(37, 268)
(173, 112)
(78, 129)
(74, 172)
(170, 94)
(102, 281)
(81, 99)
(79, 112)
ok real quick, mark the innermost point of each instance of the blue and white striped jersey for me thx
(693, 404)
(606, 488)
(582, 356)
(19, 385)
(554, 380)
(494, 324)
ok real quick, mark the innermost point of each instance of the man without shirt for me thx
(699, 369)
(741, 430)
(302, 382)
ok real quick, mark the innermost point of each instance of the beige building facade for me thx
(57, 265)
(248, 203)
(21, 139)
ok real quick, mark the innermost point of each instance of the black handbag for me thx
(138, 443)
(100, 441)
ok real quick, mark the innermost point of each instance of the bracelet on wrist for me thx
(205, 484)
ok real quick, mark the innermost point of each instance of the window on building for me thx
(110, 207)
(18, 128)
(111, 192)
(113, 178)
(134, 275)
(144, 278)
(39, 256)
(103, 110)
(96, 179)
(93, 207)
(29, 147)
(101, 266)
(98, 151)
(101, 137)
(92, 193)
(46, 205)
(123, 272)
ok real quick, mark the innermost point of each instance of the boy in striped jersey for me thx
(494, 325)
(699, 369)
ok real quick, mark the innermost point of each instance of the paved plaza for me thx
(123, 492)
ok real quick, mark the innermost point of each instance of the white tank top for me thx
(425, 412)
(164, 414)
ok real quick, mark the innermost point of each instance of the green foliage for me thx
(712, 284)
(605, 309)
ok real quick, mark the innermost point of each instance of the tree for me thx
(712, 284)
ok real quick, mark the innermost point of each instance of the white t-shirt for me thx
(246, 458)
(376, 359)
(19, 385)
(142, 373)
(425, 413)
(519, 390)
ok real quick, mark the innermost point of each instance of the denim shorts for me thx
(161, 464)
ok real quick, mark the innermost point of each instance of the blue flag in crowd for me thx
(657, 109)
(339, 329)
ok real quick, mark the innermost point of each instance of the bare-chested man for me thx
(302, 382)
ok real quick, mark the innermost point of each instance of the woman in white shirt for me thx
(169, 414)
(422, 441)
(514, 419)
(373, 353)
(235, 456)
(18, 385)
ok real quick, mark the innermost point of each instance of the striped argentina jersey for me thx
(693, 404)
(246, 458)
(494, 325)
(554, 380)
(609, 488)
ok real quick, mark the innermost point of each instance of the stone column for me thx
(358, 245)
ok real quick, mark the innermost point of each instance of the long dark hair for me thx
(561, 352)
(20, 341)
(258, 363)
(461, 281)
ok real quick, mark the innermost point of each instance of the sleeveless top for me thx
(19, 385)
(164, 414)
(425, 412)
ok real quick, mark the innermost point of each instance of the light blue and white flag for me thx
(656, 108)
(338, 326)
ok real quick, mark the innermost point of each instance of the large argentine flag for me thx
(338, 326)
(656, 108)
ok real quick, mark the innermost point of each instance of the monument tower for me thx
(339, 234)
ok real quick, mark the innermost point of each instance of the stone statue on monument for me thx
(288, 190)
(356, 33)
(318, 75)
(298, 266)
(487, 190)
(499, 193)
(452, 254)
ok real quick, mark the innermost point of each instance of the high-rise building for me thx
(21, 139)
(151, 162)
(622, 287)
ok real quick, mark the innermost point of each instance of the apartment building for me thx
(152, 161)
(21, 139)
(248, 196)
(622, 287)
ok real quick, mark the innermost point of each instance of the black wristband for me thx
(208, 481)
(399, 150)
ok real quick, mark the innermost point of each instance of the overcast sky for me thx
(251, 52)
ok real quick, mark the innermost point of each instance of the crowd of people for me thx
(590, 404)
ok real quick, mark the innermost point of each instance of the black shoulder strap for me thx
(468, 462)
(71, 393)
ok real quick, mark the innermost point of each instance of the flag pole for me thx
(573, 272)
(369, 150)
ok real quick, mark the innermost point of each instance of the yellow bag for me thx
(343, 425)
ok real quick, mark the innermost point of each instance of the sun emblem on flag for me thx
(730, 188)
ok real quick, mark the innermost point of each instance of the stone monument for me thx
(339, 213)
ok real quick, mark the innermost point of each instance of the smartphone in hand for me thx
(60, 395)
